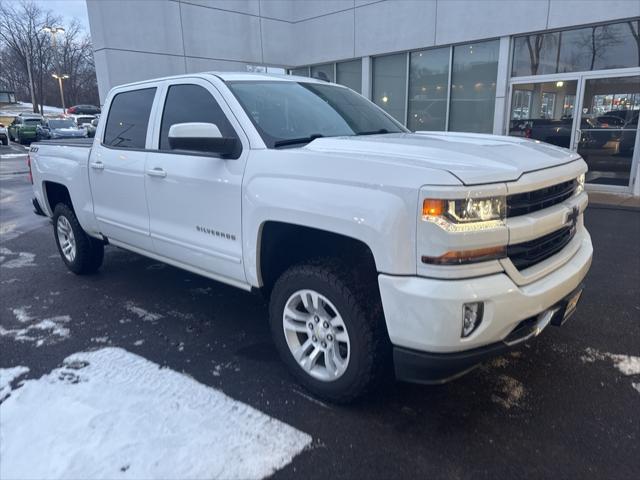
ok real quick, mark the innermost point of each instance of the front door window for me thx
(608, 128)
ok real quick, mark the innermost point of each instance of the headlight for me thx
(465, 214)
(580, 186)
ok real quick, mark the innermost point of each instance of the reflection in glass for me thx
(473, 87)
(323, 72)
(591, 48)
(389, 84)
(349, 74)
(301, 71)
(428, 84)
(608, 126)
(543, 111)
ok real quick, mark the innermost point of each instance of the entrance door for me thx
(608, 127)
(544, 111)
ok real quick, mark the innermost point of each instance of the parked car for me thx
(60, 128)
(23, 129)
(85, 121)
(4, 134)
(432, 251)
(83, 110)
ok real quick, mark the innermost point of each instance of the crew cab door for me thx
(116, 169)
(194, 198)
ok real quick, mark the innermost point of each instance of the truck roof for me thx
(233, 76)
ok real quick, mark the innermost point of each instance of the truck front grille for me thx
(528, 202)
(526, 254)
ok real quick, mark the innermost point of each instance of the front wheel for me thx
(327, 330)
(81, 253)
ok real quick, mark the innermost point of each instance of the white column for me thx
(500, 116)
(366, 77)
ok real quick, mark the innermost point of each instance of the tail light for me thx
(29, 165)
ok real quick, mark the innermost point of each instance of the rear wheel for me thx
(327, 329)
(81, 253)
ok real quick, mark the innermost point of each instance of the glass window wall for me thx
(473, 87)
(349, 74)
(428, 87)
(597, 47)
(323, 72)
(390, 84)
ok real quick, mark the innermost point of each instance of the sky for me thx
(68, 10)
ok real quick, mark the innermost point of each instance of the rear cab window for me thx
(128, 119)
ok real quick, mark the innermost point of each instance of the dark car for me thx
(56, 128)
(555, 132)
(83, 110)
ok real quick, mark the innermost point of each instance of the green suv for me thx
(24, 127)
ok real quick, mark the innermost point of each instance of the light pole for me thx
(54, 31)
(60, 78)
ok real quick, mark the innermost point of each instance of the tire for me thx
(88, 252)
(5, 141)
(360, 308)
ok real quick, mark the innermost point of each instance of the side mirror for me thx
(201, 137)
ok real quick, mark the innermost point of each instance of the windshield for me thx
(83, 120)
(289, 113)
(32, 121)
(61, 123)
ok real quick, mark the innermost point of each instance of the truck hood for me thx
(472, 158)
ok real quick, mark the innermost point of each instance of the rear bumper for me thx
(435, 368)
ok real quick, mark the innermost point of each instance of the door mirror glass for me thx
(200, 137)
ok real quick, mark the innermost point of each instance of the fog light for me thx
(471, 317)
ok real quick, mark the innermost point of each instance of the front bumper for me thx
(434, 368)
(425, 315)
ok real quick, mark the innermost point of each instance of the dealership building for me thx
(561, 71)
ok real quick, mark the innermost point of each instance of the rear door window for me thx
(129, 118)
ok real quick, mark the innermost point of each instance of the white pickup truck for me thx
(377, 247)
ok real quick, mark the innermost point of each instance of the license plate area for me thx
(567, 307)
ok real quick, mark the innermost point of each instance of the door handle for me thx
(157, 172)
(97, 165)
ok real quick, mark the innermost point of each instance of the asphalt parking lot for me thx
(566, 404)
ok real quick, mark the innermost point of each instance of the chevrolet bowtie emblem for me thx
(572, 217)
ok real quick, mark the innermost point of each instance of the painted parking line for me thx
(113, 414)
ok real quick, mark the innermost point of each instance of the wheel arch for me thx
(283, 244)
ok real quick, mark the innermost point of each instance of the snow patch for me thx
(511, 392)
(100, 339)
(8, 375)
(22, 259)
(113, 414)
(137, 343)
(636, 386)
(627, 364)
(142, 313)
(47, 331)
(21, 314)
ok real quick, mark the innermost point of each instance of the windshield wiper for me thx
(294, 141)
(373, 132)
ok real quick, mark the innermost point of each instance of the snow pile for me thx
(8, 375)
(112, 414)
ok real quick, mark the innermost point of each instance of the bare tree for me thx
(29, 56)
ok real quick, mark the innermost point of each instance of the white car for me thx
(4, 134)
(427, 251)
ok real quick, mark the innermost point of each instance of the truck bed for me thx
(69, 142)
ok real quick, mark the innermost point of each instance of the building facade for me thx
(562, 71)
